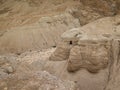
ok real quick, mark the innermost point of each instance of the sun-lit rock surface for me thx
(59, 44)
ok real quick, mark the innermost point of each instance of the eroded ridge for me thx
(82, 50)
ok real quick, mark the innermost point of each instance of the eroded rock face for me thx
(68, 41)
(96, 49)
(61, 53)
(43, 34)
(90, 45)
(114, 70)
(91, 54)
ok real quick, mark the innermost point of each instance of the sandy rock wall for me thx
(89, 52)
(114, 78)
(30, 25)
(91, 55)
(61, 53)
(96, 49)
(43, 34)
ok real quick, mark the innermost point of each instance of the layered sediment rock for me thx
(88, 47)
(90, 53)
(114, 69)
(96, 49)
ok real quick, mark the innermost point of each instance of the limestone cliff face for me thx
(94, 47)
(35, 24)
(89, 54)
(114, 70)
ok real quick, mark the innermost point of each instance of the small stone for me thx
(5, 88)
(10, 70)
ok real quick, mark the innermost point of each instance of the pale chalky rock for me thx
(69, 39)
(61, 53)
(91, 53)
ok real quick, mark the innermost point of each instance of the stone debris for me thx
(35, 81)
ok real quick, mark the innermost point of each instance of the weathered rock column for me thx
(114, 75)
(91, 53)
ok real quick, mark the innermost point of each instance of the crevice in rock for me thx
(2, 33)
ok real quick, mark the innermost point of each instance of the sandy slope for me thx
(17, 13)
(34, 24)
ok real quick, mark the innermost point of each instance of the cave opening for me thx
(71, 43)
